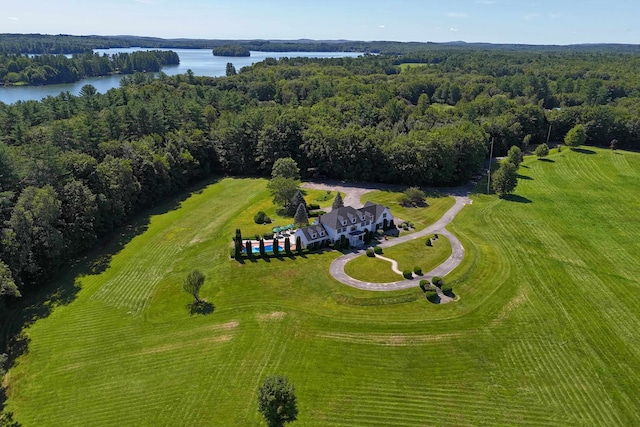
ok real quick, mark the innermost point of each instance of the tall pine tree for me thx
(337, 202)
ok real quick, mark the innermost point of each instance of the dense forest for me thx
(74, 168)
(51, 69)
(231, 50)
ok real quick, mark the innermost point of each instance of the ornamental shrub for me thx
(447, 290)
(407, 274)
(259, 218)
(378, 250)
(432, 296)
(428, 242)
(370, 252)
(424, 285)
(417, 270)
(437, 280)
(313, 206)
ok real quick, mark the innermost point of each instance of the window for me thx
(384, 215)
(353, 228)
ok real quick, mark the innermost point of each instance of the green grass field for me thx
(546, 331)
(410, 254)
(421, 217)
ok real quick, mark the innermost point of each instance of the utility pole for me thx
(489, 172)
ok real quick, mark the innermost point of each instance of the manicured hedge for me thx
(432, 296)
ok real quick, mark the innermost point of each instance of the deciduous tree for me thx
(541, 151)
(193, 283)
(505, 179)
(282, 190)
(576, 136)
(514, 155)
(286, 168)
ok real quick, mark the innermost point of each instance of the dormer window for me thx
(353, 220)
(322, 234)
(313, 236)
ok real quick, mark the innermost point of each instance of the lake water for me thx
(200, 61)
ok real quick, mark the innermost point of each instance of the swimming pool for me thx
(267, 248)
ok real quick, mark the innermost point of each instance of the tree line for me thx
(52, 69)
(72, 168)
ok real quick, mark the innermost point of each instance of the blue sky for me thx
(495, 21)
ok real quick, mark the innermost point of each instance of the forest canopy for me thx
(52, 69)
(231, 50)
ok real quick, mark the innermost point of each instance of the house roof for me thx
(374, 209)
(316, 228)
(334, 218)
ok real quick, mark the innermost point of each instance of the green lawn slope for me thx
(546, 331)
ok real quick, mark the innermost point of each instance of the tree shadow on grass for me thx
(200, 307)
(547, 160)
(525, 177)
(516, 198)
(583, 151)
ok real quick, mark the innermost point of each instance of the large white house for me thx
(346, 221)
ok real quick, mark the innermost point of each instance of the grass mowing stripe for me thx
(546, 331)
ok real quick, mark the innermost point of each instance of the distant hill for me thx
(64, 43)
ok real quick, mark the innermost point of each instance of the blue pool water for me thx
(267, 248)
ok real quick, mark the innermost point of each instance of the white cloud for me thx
(382, 26)
(13, 18)
(456, 15)
(531, 16)
(454, 30)
(554, 15)
(486, 2)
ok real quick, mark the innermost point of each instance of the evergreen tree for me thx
(277, 401)
(301, 218)
(287, 245)
(275, 248)
(297, 200)
(263, 252)
(337, 202)
(238, 243)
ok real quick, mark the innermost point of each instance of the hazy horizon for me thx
(542, 22)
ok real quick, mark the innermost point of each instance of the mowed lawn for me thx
(421, 217)
(409, 255)
(546, 332)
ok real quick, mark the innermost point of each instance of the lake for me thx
(200, 61)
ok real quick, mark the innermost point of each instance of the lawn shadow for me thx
(525, 177)
(516, 198)
(200, 307)
(547, 160)
(583, 150)
(63, 287)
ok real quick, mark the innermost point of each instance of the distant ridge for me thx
(65, 43)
